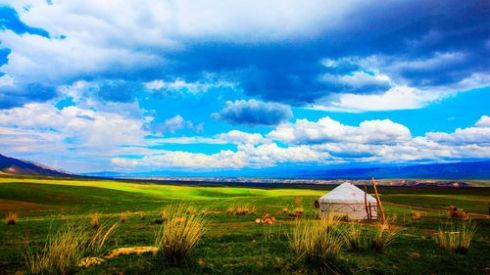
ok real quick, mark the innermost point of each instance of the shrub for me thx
(11, 218)
(179, 234)
(61, 252)
(456, 237)
(95, 220)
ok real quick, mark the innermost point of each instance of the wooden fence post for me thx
(378, 200)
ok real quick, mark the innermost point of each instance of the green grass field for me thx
(232, 244)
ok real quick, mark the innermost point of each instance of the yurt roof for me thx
(346, 193)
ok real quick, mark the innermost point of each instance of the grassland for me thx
(232, 244)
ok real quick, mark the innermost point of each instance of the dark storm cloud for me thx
(416, 34)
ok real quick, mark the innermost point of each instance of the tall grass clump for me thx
(456, 237)
(384, 235)
(179, 234)
(65, 248)
(354, 237)
(317, 243)
(11, 218)
(61, 252)
(95, 220)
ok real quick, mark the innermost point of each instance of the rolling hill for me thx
(14, 166)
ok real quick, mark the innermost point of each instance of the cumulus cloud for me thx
(477, 135)
(328, 130)
(264, 155)
(254, 112)
(177, 123)
(396, 98)
(42, 130)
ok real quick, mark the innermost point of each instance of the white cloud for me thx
(478, 135)
(72, 130)
(484, 121)
(179, 85)
(328, 130)
(390, 71)
(239, 137)
(396, 98)
(264, 155)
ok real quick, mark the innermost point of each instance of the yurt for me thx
(349, 201)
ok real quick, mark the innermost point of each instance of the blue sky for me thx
(139, 86)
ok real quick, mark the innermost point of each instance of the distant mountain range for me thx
(14, 166)
(458, 170)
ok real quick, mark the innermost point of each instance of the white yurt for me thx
(349, 201)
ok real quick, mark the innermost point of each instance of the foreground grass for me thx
(231, 243)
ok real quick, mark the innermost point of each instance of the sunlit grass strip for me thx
(179, 234)
(456, 237)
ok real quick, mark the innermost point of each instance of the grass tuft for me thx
(316, 242)
(384, 235)
(97, 240)
(179, 234)
(123, 217)
(61, 252)
(65, 248)
(95, 220)
(354, 237)
(11, 218)
(456, 237)
(241, 209)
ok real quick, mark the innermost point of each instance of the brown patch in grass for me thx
(138, 250)
(13, 205)
(416, 215)
(90, 261)
(240, 210)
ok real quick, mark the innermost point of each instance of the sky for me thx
(142, 86)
